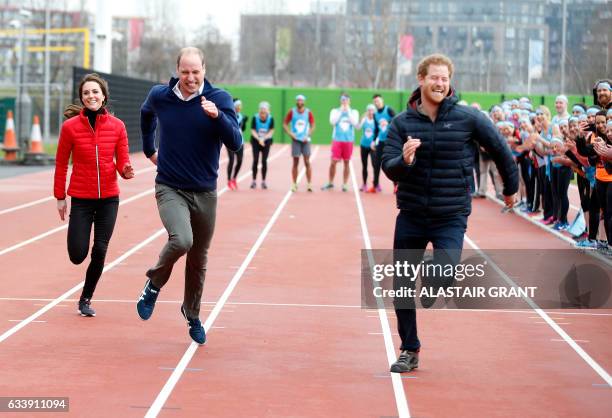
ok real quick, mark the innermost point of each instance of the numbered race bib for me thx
(383, 124)
(300, 126)
(344, 124)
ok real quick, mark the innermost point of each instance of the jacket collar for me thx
(450, 100)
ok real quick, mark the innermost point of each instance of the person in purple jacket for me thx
(194, 119)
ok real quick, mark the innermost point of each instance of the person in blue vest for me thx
(262, 130)
(194, 119)
(299, 124)
(344, 120)
(382, 116)
(367, 144)
(232, 171)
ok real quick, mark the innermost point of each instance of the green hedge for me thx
(322, 100)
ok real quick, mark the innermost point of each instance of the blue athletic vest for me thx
(367, 132)
(344, 130)
(262, 128)
(383, 119)
(300, 123)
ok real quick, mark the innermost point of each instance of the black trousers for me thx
(545, 187)
(414, 233)
(561, 177)
(594, 209)
(234, 156)
(604, 194)
(264, 151)
(528, 173)
(584, 190)
(377, 162)
(365, 153)
(102, 214)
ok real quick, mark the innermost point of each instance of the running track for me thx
(286, 333)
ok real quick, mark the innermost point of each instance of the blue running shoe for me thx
(586, 243)
(196, 330)
(146, 302)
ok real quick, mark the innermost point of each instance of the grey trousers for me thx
(189, 218)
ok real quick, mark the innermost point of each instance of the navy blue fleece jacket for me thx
(189, 140)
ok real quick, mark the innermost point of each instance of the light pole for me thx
(23, 102)
(480, 45)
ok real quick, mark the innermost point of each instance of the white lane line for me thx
(108, 267)
(398, 386)
(26, 205)
(583, 354)
(76, 288)
(562, 341)
(19, 320)
(168, 387)
(49, 198)
(62, 227)
(12, 248)
(312, 305)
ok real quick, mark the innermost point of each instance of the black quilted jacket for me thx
(438, 183)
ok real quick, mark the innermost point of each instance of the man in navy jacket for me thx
(429, 152)
(195, 119)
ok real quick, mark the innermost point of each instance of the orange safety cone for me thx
(10, 146)
(36, 154)
(36, 146)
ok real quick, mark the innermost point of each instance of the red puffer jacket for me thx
(94, 171)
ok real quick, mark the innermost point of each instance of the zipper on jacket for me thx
(97, 157)
(433, 143)
(98, 173)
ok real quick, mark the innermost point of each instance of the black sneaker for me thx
(146, 303)
(196, 330)
(407, 361)
(85, 307)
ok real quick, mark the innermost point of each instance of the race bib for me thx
(345, 124)
(300, 126)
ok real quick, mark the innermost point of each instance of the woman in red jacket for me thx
(98, 144)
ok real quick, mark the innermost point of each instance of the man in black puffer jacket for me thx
(429, 152)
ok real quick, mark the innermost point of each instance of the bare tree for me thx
(218, 52)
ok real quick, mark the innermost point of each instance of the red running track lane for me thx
(297, 343)
(116, 346)
(511, 368)
(497, 363)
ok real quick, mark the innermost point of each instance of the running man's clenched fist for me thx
(410, 148)
(210, 108)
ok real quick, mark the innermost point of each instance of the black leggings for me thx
(102, 213)
(545, 187)
(594, 209)
(533, 199)
(604, 194)
(265, 151)
(561, 177)
(231, 154)
(584, 190)
(377, 162)
(365, 152)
